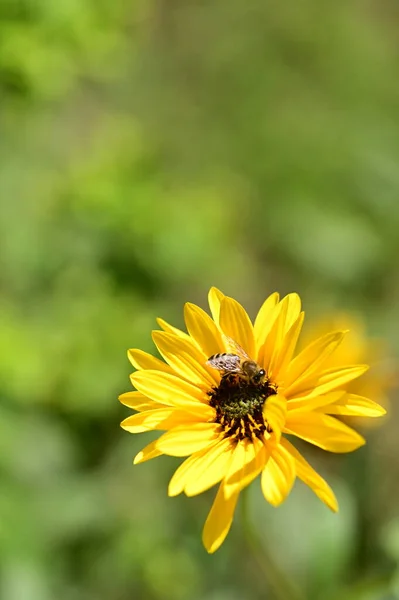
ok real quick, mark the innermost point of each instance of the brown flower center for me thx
(239, 405)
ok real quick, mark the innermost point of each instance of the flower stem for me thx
(278, 582)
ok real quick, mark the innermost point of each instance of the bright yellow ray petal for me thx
(249, 458)
(219, 520)
(286, 314)
(309, 476)
(265, 318)
(323, 431)
(167, 389)
(210, 468)
(143, 360)
(274, 412)
(294, 309)
(327, 381)
(171, 329)
(236, 324)
(179, 478)
(165, 418)
(306, 405)
(185, 358)
(269, 351)
(353, 405)
(203, 330)
(215, 297)
(202, 470)
(187, 439)
(309, 362)
(278, 476)
(147, 453)
(138, 401)
(286, 349)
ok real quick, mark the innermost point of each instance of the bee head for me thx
(259, 375)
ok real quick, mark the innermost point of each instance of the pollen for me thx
(239, 406)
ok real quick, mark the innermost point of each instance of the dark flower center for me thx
(239, 405)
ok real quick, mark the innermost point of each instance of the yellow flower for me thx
(231, 426)
(357, 347)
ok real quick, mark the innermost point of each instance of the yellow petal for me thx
(185, 358)
(248, 460)
(353, 405)
(202, 470)
(147, 453)
(163, 418)
(274, 413)
(294, 309)
(187, 439)
(138, 401)
(286, 314)
(309, 476)
(323, 431)
(215, 297)
(265, 318)
(143, 360)
(170, 329)
(278, 476)
(272, 344)
(327, 381)
(203, 330)
(236, 324)
(167, 389)
(219, 520)
(179, 478)
(209, 469)
(286, 349)
(309, 362)
(306, 405)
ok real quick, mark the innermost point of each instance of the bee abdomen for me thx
(224, 362)
(219, 355)
(223, 355)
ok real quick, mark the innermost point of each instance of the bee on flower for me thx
(226, 394)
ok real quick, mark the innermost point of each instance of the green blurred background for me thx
(149, 150)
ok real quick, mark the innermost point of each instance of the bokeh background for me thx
(148, 150)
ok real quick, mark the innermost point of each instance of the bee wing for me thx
(225, 362)
(234, 347)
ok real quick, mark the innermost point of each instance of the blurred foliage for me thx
(149, 150)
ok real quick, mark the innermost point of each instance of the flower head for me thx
(228, 414)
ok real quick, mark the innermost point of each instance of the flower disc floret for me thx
(239, 407)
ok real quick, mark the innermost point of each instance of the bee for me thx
(237, 364)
